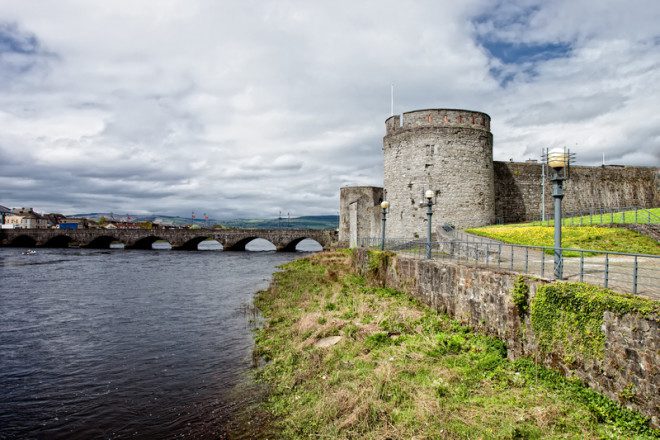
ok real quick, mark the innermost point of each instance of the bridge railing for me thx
(624, 272)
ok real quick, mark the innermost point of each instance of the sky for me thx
(251, 108)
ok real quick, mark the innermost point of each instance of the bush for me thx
(520, 296)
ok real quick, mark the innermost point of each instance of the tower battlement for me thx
(437, 118)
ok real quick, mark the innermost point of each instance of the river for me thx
(127, 344)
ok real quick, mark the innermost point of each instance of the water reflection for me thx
(100, 344)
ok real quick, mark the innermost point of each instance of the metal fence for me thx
(623, 272)
(604, 216)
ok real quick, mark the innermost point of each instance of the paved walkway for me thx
(620, 269)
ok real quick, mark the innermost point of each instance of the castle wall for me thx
(359, 213)
(518, 189)
(451, 152)
(447, 151)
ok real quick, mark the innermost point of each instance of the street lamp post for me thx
(429, 212)
(559, 160)
(384, 206)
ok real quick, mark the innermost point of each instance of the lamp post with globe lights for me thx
(384, 206)
(559, 160)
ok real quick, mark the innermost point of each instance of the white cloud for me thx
(227, 107)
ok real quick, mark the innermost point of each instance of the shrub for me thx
(520, 296)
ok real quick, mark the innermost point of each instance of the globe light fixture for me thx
(558, 158)
(384, 205)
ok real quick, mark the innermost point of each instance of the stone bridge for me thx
(285, 240)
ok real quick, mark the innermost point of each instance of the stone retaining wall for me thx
(482, 299)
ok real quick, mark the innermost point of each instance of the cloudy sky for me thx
(248, 108)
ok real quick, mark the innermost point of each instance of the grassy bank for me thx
(586, 237)
(400, 370)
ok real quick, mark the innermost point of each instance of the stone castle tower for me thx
(450, 152)
(444, 150)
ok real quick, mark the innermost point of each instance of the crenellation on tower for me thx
(437, 117)
(392, 124)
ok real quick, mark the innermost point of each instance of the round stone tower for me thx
(448, 151)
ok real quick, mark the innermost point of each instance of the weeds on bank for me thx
(401, 370)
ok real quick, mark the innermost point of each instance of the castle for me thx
(450, 152)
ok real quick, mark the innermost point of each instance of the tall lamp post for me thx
(429, 212)
(559, 160)
(384, 206)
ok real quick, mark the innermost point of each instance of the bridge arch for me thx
(58, 241)
(146, 242)
(292, 245)
(241, 244)
(210, 244)
(193, 243)
(23, 241)
(102, 242)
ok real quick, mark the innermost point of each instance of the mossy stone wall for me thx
(611, 342)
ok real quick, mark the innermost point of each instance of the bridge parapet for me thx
(231, 239)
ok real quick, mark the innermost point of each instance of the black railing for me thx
(624, 272)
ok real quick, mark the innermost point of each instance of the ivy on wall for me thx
(567, 318)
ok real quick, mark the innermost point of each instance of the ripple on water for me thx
(127, 344)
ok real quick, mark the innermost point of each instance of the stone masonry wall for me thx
(447, 151)
(359, 213)
(518, 189)
(482, 299)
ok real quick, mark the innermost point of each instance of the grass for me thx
(644, 216)
(404, 371)
(586, 237)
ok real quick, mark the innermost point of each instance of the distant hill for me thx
(304, 222)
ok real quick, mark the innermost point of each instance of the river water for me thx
(127, 344)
